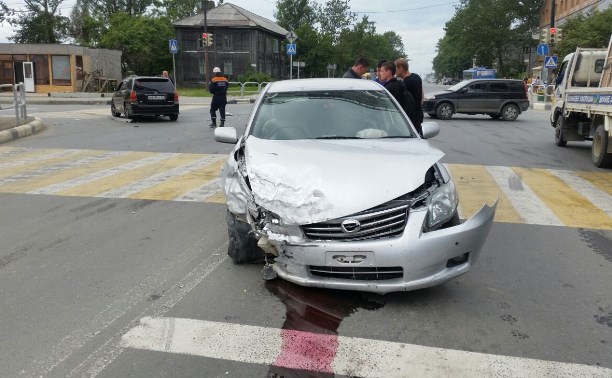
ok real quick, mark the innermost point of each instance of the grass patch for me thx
(234, 90)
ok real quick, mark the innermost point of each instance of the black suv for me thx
(496, 97)
(145, 95)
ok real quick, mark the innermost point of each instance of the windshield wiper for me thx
(337, 137)
(397, 136)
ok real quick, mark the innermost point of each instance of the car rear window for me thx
(516, 86)
(498, 87)
(153, 84)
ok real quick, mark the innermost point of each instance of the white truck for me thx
(582, 108)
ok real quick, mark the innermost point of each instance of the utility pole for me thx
(206, 71)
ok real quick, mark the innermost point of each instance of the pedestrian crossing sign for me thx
(291, 49)
(550, 62)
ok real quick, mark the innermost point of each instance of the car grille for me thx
(350, 273)
(383, 221)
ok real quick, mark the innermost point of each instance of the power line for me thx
(410, 9)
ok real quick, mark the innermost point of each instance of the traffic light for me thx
(559, 35)
(552, 33)
(204, 39)
(209, 40)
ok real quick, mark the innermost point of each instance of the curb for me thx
(21, 131)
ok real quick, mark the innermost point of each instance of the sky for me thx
(420, 23)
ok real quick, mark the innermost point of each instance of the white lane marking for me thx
(596, 196)
(76, 339)
(129, 189)
(36, 159)
(101, 174)
(60, 167)
(354, 356)
(524, 200)
(112, 348)
(201, 193)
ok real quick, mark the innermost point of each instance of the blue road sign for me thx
(291, 49)
(543, 49)
(173, 46)
(550, 62)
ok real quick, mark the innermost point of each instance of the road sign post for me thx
(173, 50)
(291, 37)
(542, 49)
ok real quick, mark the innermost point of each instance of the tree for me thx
(143, 41)
(291, 14)
(336, 17)
(590, 30)
(179, 9)
(41, 23)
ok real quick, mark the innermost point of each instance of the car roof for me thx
(324, 84)
(475, 80)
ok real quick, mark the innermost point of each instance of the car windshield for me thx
(337, 114)
(457, 86)
(154, 85)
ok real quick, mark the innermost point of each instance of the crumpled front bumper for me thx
(422, 256)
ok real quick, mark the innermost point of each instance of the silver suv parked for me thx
(496, 97)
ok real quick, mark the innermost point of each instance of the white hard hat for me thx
(216, 69)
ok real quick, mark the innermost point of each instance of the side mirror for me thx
(226, 135)
(430, 129)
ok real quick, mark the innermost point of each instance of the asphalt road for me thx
(79, 274)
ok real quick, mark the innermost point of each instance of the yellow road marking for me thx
(32, 166)
(218, 197)
(102, 185)
(69, 174)
(182, 184)
(475, 187)
(573, 209)
(602, 180)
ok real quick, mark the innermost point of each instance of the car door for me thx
(472, 97)
(499, 94)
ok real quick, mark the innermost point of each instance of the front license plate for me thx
(349, 259)
(156, 97)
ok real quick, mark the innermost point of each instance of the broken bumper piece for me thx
(411, 261)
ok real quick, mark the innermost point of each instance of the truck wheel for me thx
(444, 110)
(601, 158)
(510, 112)
(559, 138)
(242, 247)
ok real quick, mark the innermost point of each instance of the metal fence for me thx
(542, 93)
(19, 102)
(244, 89)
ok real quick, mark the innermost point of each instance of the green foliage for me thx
(143, 41)
(251, 75)
(41, 23)
(5, 12)
(491, 31)
(291, 14)
(591, 30)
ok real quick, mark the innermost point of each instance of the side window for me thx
(478, 87)
(120, 87)
(128, 86)
(498, 87)
(599, 65)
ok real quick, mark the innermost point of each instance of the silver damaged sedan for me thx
(331, 183)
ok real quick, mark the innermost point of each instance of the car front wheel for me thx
(445, 111)
(559, 137)
(242, 247)
(510, 112)
(494, 115)
(599, 151)
(127, 111)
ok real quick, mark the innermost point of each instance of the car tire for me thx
(559, 138)
(242, 246)
(114, 111)
(494, 115)
(432, 115)
(445, 110)
(127, 111)
(173, 117)
(599, 150)
(510, 112)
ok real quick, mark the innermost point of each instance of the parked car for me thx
(503, 98)
(331, 181)
(145, 95)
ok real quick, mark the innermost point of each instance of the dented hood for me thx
(307, 181)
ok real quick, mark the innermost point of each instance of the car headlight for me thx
(442, 205)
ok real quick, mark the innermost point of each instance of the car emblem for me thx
(350, 225)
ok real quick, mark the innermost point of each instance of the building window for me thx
(275, 46)
(227, 67)
(60, 68)
(41, 69)
(228, 42)
(80, 74)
